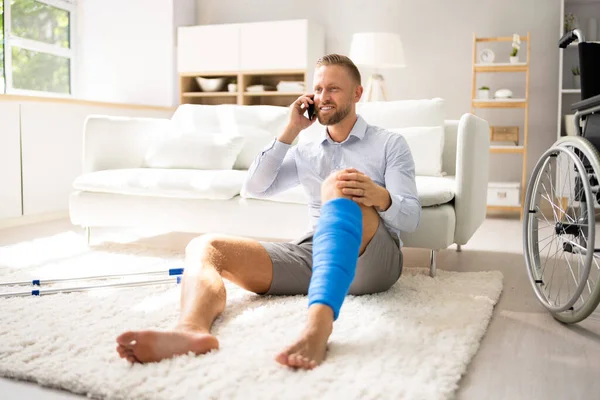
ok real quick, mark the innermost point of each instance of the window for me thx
(36, 46)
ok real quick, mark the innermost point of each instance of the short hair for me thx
(338, 59)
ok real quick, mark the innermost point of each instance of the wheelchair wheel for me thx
(559, 229)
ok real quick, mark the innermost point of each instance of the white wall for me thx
(126, 50)
(437, 38)
(52, 141)
(10, 164)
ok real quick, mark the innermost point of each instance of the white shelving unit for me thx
(569, 57)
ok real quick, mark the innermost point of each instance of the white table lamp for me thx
(378, 50)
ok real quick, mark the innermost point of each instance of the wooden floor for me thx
(525, 353)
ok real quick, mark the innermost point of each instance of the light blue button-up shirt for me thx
(382, 155)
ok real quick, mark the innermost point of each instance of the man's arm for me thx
(401, 207)
(273, 171)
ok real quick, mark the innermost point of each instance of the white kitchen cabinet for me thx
(253, 46)
(274, 45)
(10, 161)
(208, 48)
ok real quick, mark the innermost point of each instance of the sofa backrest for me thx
(260, 124)
(257, 124)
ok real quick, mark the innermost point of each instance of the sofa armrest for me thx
(472, 174)
(119, 142)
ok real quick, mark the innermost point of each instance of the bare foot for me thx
(309, 350)
(153, 346)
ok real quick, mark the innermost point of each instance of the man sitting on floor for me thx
(362, 192)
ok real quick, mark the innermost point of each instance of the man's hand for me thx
(298, 121)
(360, 188)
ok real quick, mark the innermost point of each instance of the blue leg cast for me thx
(336, 246)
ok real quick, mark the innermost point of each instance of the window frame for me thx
(11, 41)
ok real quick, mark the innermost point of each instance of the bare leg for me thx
(209, 259)
(310, 349)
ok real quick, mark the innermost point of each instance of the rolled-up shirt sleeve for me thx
(273, 171)
(404, 212)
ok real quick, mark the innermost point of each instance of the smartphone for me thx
(310, 112)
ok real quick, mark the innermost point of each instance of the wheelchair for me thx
(561, 204)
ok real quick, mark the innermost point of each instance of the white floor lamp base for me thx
(375, 90)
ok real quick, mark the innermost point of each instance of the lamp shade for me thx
(377, 50)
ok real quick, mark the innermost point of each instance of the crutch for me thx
(177, 272)
(38, 282)
(38, 292)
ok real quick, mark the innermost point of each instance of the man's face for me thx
(335, 93)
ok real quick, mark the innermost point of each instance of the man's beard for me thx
(334, 118)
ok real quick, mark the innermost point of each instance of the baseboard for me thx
(32, 219)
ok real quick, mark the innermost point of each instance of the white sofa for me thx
(174, 174)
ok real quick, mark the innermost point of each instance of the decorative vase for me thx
(514, 59)
(483, 94)
(232, 87)
(577, 81)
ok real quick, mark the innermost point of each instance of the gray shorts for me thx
(378, 268)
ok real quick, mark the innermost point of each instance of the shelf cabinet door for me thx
(208, 48)
(275, 45)
(10, 161)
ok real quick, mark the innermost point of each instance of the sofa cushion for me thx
(257, 124)
(206, 151)
(196, 118)
(403, 113)
(295, 195)
(426, 145)
(192, 184)
(434, 191)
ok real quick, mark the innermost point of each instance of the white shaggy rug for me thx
(412, 342)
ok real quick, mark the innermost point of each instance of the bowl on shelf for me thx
(211, 84)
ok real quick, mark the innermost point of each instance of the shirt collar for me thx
(359, 129)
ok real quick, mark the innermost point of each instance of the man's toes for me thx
(282, 358)
(296, 360)
(131, 358)
(121, 350)
(305, 362)
(126, 338)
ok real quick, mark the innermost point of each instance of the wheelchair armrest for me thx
(586, 104)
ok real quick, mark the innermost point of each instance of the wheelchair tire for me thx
(577, 314)
(568, 229)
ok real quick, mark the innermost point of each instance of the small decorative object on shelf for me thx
(503, 94)
(211, 84)
(504, 134)
(576, 77)
(232, 85)
(483, 93)
(571, 22)
(486, 56)
(516, 46)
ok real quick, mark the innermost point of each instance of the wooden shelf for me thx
(507, 103)
(273, 93)
(523, 103)
(190, 91)
(500, 39)
(507, 149)
(504, 67)
(505, 208)
(209, 94)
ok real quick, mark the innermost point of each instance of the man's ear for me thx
(358, 93)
